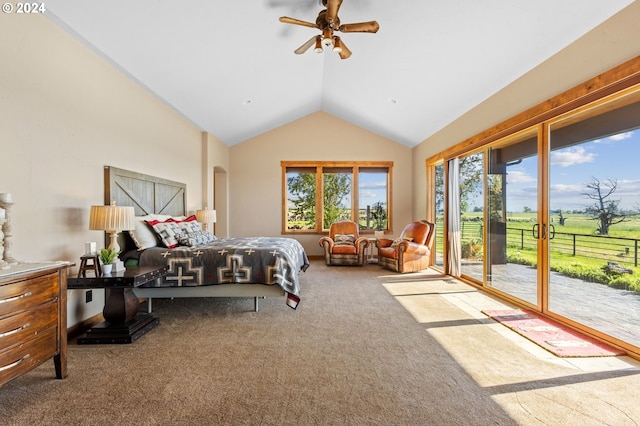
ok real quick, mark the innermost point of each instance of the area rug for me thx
(550, 335)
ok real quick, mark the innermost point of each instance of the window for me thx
(316, 194)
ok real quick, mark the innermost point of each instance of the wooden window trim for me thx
(319, 166)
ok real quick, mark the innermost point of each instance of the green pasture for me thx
(593, 251)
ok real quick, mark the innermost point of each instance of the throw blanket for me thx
(264, 260)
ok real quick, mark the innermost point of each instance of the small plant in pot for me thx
(107, 256)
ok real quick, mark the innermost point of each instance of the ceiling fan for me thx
(328, 22)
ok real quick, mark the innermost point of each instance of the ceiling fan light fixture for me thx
(318, 48)
(337, 44)
(326, 38)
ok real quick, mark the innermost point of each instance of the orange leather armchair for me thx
(344, 245)
(409, 253)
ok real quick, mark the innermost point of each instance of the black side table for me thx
(123, 322)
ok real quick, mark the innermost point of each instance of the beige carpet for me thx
(364, 347)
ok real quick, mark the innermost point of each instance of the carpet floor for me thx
(365, 347)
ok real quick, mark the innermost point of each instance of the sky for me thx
(373, 188)
(613, 158)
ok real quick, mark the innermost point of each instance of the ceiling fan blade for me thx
(300, 50)
(345, 52)
(360, 27)
(294, 21)
(333, 6)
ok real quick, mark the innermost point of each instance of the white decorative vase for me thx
(106, 269)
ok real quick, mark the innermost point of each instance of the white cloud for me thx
(571, 156)
(562, 188)
(615, 138)
(519, 176)
(373, 185)
(621, 136)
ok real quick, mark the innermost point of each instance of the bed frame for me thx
(153, 195)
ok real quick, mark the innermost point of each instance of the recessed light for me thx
(393, 101)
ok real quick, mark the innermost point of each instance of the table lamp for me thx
(112, 219)
(206, 217)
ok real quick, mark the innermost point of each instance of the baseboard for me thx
(84, 325)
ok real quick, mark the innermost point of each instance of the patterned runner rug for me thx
(550, 335)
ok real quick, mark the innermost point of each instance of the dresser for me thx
(33, 318)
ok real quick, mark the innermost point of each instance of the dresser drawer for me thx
(27, 324)
(28, 355)
(26, 294)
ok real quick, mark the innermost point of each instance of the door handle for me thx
(535, 231)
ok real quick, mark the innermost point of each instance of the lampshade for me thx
(318, 48)
(206, 216)
(337, 44)
(112, 219)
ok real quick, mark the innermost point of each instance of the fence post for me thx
(635, 253)
(574, 244)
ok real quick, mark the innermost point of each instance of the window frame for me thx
(356, 168)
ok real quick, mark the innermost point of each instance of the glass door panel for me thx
(472, 215)
(439, 215)
(594, 200)
(513, 227)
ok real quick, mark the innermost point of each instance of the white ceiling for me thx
(229, 66)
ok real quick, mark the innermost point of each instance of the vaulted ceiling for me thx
(229, 66)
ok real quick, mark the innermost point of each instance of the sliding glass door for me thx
(594, 207)
(513, 225)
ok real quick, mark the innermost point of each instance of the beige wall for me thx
(64, 114)
(608, 45)
(256, 174)
(215, 190)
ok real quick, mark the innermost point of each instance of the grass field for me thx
(576, 249)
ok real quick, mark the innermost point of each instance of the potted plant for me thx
(107, 256)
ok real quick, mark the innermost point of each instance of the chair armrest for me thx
(326, 242)
(383, 242)
(413, 248)
(361, 244)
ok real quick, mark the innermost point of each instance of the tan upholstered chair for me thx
(344, 245)
(411, 252)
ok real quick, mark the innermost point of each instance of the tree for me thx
(561, 218)
(471, 173)
(605, 210)
(379, 215)
(302, 190)
(470, 178)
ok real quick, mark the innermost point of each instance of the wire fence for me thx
(611, 249)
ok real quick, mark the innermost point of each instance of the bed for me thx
(252, 267)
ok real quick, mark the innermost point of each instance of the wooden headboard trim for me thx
(145, 193)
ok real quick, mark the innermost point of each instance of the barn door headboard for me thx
(146, 194)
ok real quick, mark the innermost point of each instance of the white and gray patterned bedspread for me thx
(263, 260)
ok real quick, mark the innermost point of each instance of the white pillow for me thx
(144, 236)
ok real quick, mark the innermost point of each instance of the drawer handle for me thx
(13, 299)
(10, 332)
(15, 364)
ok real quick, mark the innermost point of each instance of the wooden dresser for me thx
(33, 318)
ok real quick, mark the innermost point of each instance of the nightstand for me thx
(123, 322)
